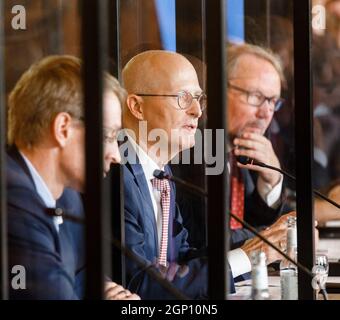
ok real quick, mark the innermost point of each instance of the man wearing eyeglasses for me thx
(254, 86)
(160, 118)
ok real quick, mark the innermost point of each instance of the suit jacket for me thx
(256, 212)
(54, 262)
(141, 238)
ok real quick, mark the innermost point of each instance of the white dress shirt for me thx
(43, 191)
(149, 166)
(270, 195)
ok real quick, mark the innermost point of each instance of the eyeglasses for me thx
(256, 99)
(184, 98)
(107, 138)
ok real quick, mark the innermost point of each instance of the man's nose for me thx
(113, 153)
(266, 109)
(195, 108)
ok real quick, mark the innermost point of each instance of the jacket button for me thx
(58, 212)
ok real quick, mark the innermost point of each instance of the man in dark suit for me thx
(45, 157)
(164, 104)
(255, 77)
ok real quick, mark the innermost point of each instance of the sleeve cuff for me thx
(270, 195)
(239, 262)
(320, 157)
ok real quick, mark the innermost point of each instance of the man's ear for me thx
(135, 105)
(61, 128)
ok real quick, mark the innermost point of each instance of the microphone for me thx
(163, 175)
(246, 160)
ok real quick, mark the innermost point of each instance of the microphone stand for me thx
(245, 160)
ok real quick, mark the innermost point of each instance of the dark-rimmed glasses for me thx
(256, 98)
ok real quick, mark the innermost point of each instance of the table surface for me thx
(243, 289)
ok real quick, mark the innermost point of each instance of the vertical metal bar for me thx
(303, 142)
(252, 11)
(268, 26)
(189, 14)
(204, 77)
(204, 40)
(94, 42)
(114, 37)
(217, 184)
(118, 225)
(60, 26)
(3, 198)
(116, 176)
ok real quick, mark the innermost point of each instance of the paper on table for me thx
(331, 247)
(332, 223)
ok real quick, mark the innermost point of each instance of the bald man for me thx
(160, 118)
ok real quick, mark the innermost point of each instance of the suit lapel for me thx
(148, 211)
(67, 251)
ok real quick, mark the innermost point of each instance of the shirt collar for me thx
(42, 190)
(40, 185)
(147, 163)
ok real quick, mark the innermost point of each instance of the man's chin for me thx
(255, 130)
(188, 144)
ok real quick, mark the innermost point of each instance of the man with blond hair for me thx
(45, 158)
(255, 78)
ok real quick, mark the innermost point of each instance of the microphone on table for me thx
(163, 175)
(246, 160)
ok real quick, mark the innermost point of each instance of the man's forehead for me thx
(249, 65)
(268, 86)
(181, 79)
(257, 74)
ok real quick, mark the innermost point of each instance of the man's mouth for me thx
(190, 127)
(254, 129)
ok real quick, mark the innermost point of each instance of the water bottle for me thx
(288, 271)
(259, 276)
